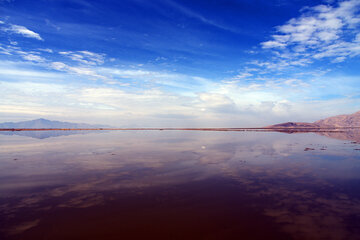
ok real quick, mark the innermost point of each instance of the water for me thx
(180, 185)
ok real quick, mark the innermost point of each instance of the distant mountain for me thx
(44, 123)
(349, 120)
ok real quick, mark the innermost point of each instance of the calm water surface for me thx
(180, 185)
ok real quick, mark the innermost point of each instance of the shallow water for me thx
(180, 185)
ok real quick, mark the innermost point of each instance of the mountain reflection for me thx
(45, 134)
(350, 135)
(217, 183)
(341, 134)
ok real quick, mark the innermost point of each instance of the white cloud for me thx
(48, 50)
(5, 50)
(76, 70)
(159, 78)
(17, 29)
(15, 50)
(272, 44)
(33, 57)
(321, 31)
(279, 63)
(58, 66)
(338, 59)
(226, 104)
(88, 67)
(22, 71)
(85, 57)
(215, 99)
(242, 75)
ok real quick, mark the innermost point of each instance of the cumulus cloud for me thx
(17, 29)
(319, 32)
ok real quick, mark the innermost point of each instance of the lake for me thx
(180, 185)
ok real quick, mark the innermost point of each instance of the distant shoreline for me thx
(263, 129)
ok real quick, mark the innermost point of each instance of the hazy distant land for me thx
(42, 123)
(336, 123)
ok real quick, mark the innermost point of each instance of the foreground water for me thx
(180, 185)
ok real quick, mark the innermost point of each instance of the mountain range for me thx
(48, 124)
(340, 121)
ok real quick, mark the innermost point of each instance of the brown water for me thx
(179, 185)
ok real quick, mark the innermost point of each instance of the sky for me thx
(179, 63)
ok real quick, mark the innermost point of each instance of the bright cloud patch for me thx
(321, 31)
(76, 70)
(17, 29)
(85, 57)
(33, 57)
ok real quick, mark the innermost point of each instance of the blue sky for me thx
(169, 63)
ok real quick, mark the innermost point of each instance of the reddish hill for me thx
(350, 120)
(294, 125)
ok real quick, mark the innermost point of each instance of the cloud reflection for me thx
(89, 171)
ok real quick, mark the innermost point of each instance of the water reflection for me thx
(351, 135)
(45, 134)
(179, 185)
